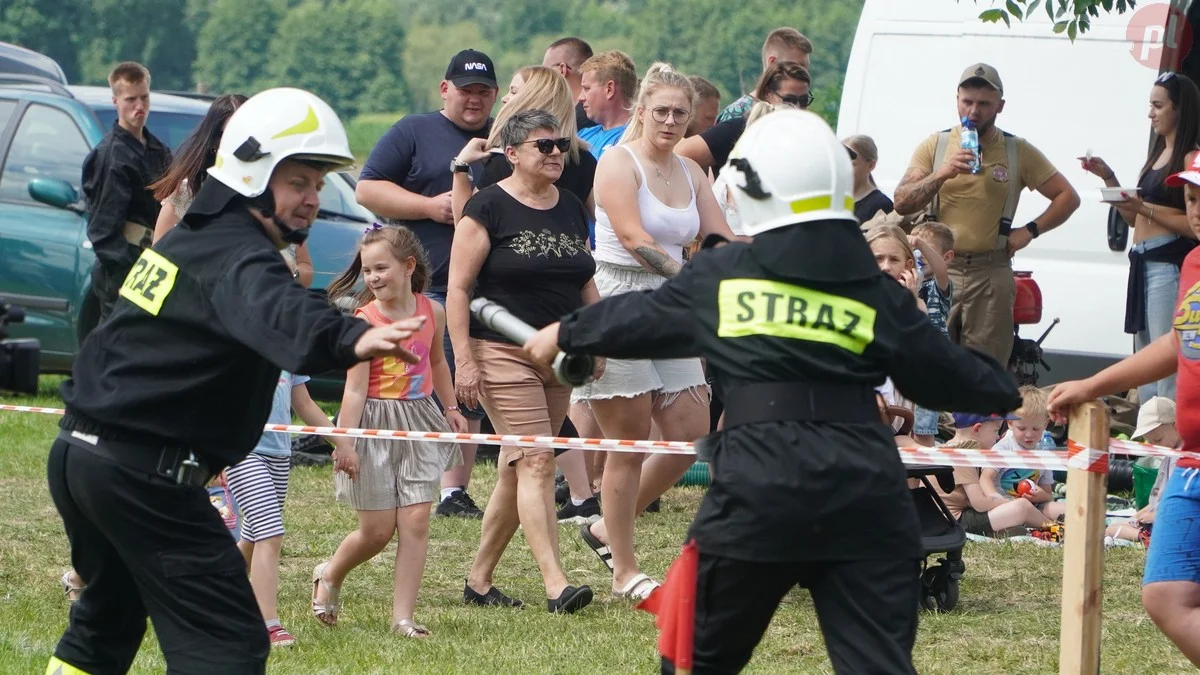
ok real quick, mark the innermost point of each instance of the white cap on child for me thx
(1154, 413)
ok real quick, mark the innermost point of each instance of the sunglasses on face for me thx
(802, 101)
(661, 113)
(547, 145)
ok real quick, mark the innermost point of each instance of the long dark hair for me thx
(404, 244)
(199, 150)
(1185, 96)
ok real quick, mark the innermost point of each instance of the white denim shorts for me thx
(625, 378)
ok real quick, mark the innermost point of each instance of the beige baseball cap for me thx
(1154, 413)
(982, 71)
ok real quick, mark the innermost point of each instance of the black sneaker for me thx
(654, 506)
(460, 504)
(587, 512)
(493, 598)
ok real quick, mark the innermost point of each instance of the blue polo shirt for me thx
(600, 139)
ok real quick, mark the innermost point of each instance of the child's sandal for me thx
(408, 629)
(325, 612)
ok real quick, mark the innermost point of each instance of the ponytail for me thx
(659, 75)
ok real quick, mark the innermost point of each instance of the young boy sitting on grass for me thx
(977, 512)
(1025, 433)
(1156, 426)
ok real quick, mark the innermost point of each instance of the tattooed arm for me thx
(656, 260)
(919, 185)
(615, 190)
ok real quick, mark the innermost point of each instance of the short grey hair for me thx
(516, 129)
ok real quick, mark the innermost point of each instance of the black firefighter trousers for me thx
(867, 611)
(145, 545)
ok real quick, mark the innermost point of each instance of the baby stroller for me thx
(940, 532)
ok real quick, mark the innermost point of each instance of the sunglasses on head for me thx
(547, 145)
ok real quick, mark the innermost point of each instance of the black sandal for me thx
(585, 531)
(493, 598)
(571, 600)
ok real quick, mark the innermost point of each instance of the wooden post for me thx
(1083, 555)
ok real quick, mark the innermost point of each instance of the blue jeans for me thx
(1162, 290)
(469, 413)
(1175, 542)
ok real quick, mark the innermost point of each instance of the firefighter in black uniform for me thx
(799, 325)
(121, 209)
(178, 384)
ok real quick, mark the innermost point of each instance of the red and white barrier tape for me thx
(1081, 458)
(1088, 459)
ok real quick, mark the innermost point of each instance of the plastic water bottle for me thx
(970, 141)
(1047, 442)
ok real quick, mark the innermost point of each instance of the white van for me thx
(1064, 98)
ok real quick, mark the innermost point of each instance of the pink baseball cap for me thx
(1189, 175)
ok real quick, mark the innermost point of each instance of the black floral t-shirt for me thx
(539, 260)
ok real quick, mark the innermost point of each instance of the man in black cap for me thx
(407, 180)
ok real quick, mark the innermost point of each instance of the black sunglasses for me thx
(547, 145)
(795, 101)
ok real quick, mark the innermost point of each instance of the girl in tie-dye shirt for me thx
(397, 480)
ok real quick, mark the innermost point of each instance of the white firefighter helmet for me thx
(789, 167)
(274, 125)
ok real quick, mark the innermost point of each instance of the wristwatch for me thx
(459, 167)
(1033, 229)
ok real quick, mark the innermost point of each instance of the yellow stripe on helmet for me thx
(305, 126)
(819, 203)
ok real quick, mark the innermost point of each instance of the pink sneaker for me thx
(280, 637)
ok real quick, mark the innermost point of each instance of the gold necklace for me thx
(665, 179)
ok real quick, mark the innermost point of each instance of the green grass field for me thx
(1007, 620)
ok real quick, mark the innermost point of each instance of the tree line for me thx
(388, 56)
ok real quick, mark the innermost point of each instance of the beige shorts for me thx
(520, 397)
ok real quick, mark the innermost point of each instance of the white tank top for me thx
(673, 229)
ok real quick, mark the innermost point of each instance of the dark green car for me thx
(45, 256)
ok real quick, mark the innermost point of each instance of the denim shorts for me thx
(1175, 545)
(628, 378)
(925, 422)
(467, 412)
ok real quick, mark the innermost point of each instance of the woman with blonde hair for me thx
(541, 88)
(531, 88)
(650, 204)
(868, 198)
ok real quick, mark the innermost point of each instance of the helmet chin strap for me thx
(266, 203)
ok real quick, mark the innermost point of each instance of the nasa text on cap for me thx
(471, 67)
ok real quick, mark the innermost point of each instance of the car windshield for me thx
(169, 127)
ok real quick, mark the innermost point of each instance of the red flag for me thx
(674, 605)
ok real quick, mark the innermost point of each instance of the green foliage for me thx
(366, 130)
(345, 51)
(374, 56)
(46, 26)
(168, 50)
(1072, 16)
(231, 47)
